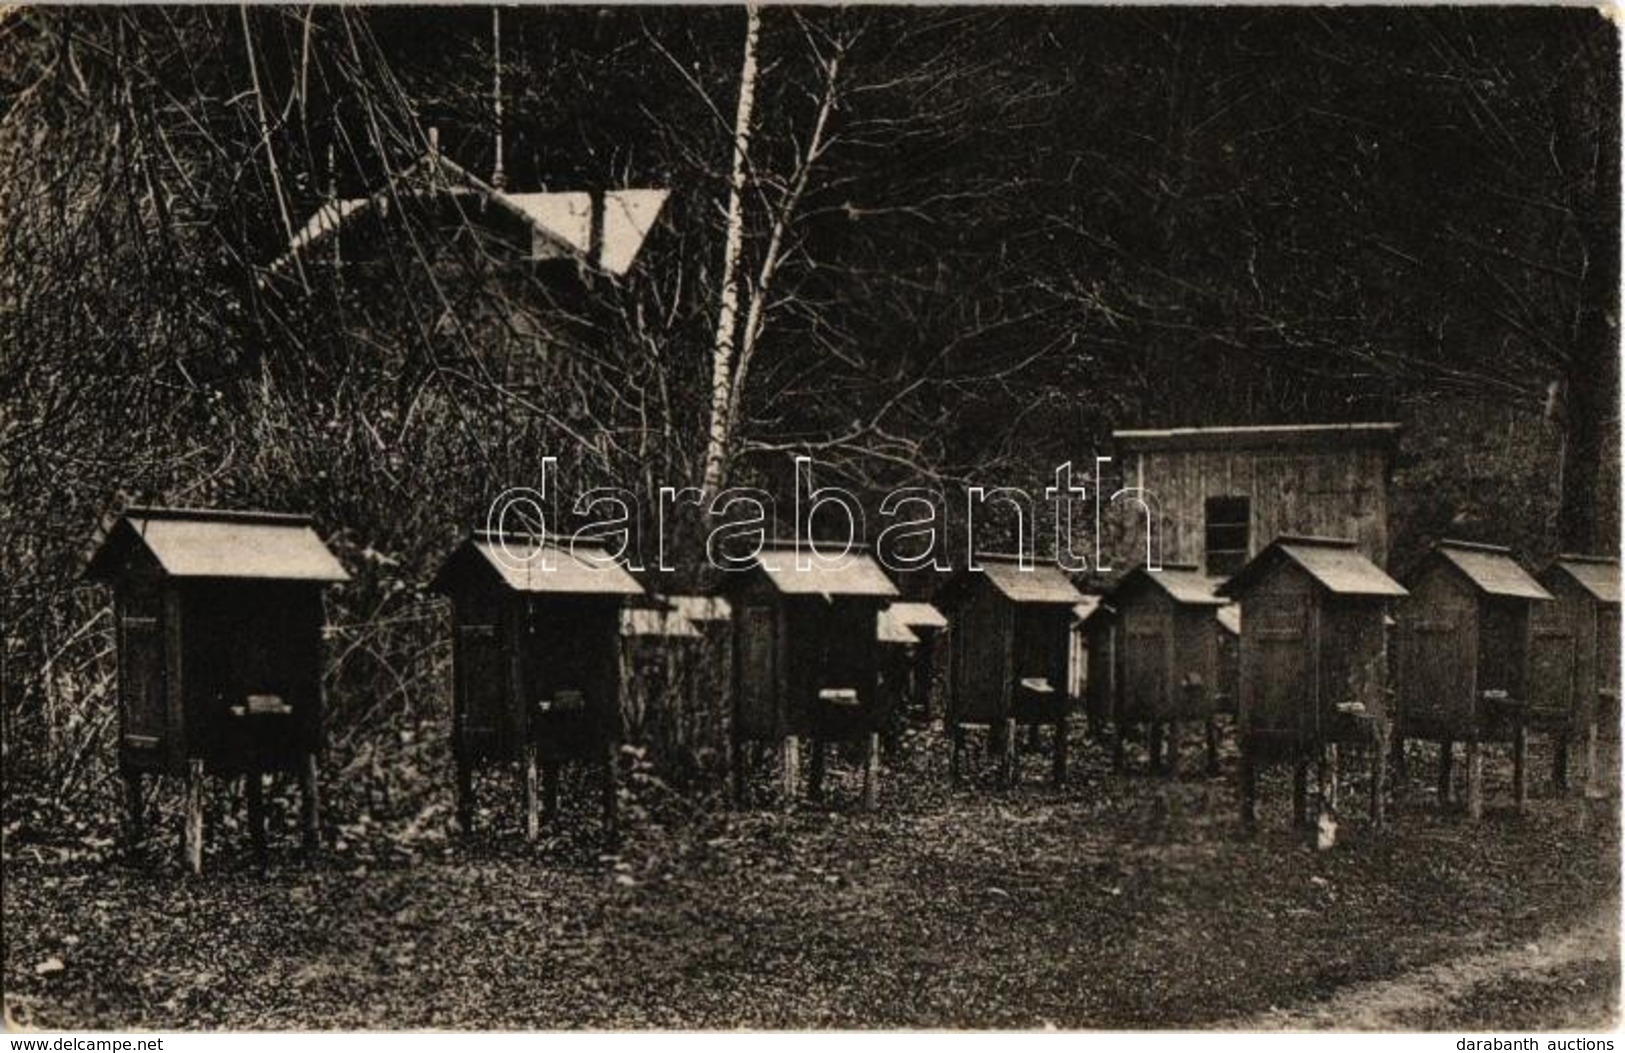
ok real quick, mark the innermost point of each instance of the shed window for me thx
(1227, 534)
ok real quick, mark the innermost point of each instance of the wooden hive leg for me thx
(1172, 749)
(1447, 766)
(1520, 766)
(254, 792)
(1032, 738)
(1379, 775)
(871, 773)
(1300, 791)
(1593, 785)
(1119, 752)
(1560, 764)
(1326, 795)
(532, 819)
(192, 830)
(1007, 753)
(815, 771)
(136, 832)
(550, 790)
(612, 791)
(956, 752)
(739, 768)
(1058, 761)
(1249, 785)
(310, 805)
(465, 793)
(1213, 745)
(1475, 779)
(1153, 749)
(1401, 766)
(790, 767)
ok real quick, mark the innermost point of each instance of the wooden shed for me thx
(1463, 669)
(1169, 670)
(1314, 664)
(1010, 628)
(536, 663)
(807, 660)
(1574, 658)
(219, 619)
(1222, 494)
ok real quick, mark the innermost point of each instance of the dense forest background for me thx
(959, 245)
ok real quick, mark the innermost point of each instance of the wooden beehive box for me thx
(219, 617)
(1010, 632)
(807, 657)
(1464, 638)
(1314, 658)
(927, 624)
(1099, 630)
(1574, 655)
(536, 660)
(660, 651)
(1168, 672)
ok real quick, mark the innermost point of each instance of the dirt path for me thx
(1580, 964)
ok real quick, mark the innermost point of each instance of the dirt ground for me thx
(1120, 901)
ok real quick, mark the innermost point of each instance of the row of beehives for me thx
(219, 619)
(1325, 649)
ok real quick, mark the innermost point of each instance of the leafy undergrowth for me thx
(1119, 901)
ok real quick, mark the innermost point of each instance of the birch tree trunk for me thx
(720, 442)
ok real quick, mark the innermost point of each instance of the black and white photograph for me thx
(810, 518)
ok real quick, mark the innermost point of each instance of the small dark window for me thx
(1228, 531)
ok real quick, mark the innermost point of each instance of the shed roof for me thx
(856, 575)
(1182, 582)
(1598, 575)
(1085, 608)
(1229, 617)
(216, 543)
(918, 615)
(891, 629)
(575, 568)
(1264, 436)
(1491, 570)
(1036, 583)
(1335, 563)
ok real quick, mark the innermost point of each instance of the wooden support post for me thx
(1032, 738)
(1058, 761)
(1007, 753)
(815, 771)
(254, 792)
(956, 753)
(1520, 765)
(871, 773)
(137, 829)
(790, 768)
(550, 790)
(1171, 746)
(1447, 768)
(1399, 762)
(1379, 775)
(1300, 792)
(1326, 796)
(310, 805)
(741, 772)
(1560, 764)
(465, 793)
(1475, 779)
(192, 830)
(1212, 745)
(1153, 761)
(1593, 787)
(1249, 784)
(533, 825)
(612, 792)
(1119, 753)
